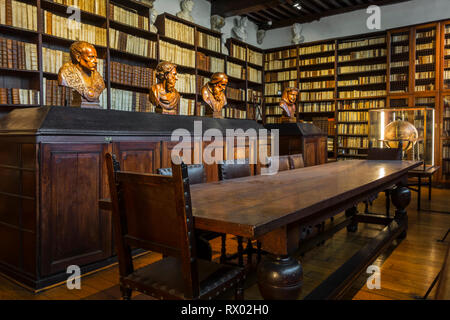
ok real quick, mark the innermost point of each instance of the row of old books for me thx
(276, 89)
(361, 43)
(425, 34)
(400, 49)
(366, 54)
(280, 64)
(425, 46)
(353, 142)
(238, 52)
(254, 57)
(62, 27)
(254, 75)
(317, 85)
(362, 68)
(274, 111)
(425, 59)
(351, 116)
(400, 38)
(187, 107)
(128, 17)
(316, 73)
(186, 83)
(56, 95)
(268, 100)
(446, 153)
(132, 75)
(356, 129)
(230, 112)
(318, 107)
(124, 100)
(235, 93)
(53, 60)
(127, 43)
(361, 94)
(18, 14)
(399, 77)
(363, 81)
(319, 48)
(209, 42)
(176, 54)
(96, 7)
(318, 60)
(179, 31)
(278, 55)
(235, 70)
(201, 81)
(425, 75)
(10, 96)
(362, 104)
(280, 76)
(313, 96)
(210, 64)
(254, 96)
(18, 55)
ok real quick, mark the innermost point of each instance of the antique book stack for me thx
(19, 96)
(128, 17)
(132, 75)
(18, 14)
(18, 55)
(131, 44)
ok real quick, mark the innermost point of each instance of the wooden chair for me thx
(383, 154)
(154, 212)
(283, 163)
(296, 161)
(197, 174)
(232, 169)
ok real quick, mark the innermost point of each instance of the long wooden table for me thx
(273, 209)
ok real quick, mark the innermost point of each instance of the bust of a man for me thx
(240, 30)
(213, 93)
(163, 94)
(287, 103)
(186, 9)
(82, 76)
(153, 14)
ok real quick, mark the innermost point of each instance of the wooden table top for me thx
(253, 206)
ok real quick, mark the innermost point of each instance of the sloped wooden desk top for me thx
(253, 206)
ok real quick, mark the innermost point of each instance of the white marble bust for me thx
(153, 14)
(260, 35)
(240, 30)
(186, 9)
(297, 33)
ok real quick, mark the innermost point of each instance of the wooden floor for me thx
(408, 268)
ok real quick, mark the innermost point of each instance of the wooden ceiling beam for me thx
(227, 8)
(313, 17)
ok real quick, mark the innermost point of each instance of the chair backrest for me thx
(196, 173)
(283, 162)
(153, 212)
(384, 154)
(296, 161)
(231, 169)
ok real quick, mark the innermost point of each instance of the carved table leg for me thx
(280, 278)
(353, 226)
(401, 197)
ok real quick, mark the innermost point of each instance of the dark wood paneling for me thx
(72, 185)
(141, 157)
(310, 153)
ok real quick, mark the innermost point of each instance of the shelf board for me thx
(362, 98)
(129, 87)
(236, 60)
(19, 72)
(236, 101)
(66, 42)
(360, 61)
(255, 66)
(19, 106)
(211, 52)
(317, 90)
(177, 42)
(316, 78)
(282, 69)
(123, 54)
(138, 5)
(132, 30)
(18, 31)
(383, 71)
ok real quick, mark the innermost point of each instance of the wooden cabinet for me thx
(52, 175)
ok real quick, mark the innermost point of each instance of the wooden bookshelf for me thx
(248, 61)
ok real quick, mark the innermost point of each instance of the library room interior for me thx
(225, 150)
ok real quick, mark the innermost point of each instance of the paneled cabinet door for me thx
(74, 231)
(143, 157)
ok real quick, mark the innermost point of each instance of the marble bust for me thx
(297, 37)
(287, 103)
(240, 30)
(213, 93)
(217, 22)
(82, 76)
(163, 94)
(186, 9)
(260, 35)
(153, 14)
